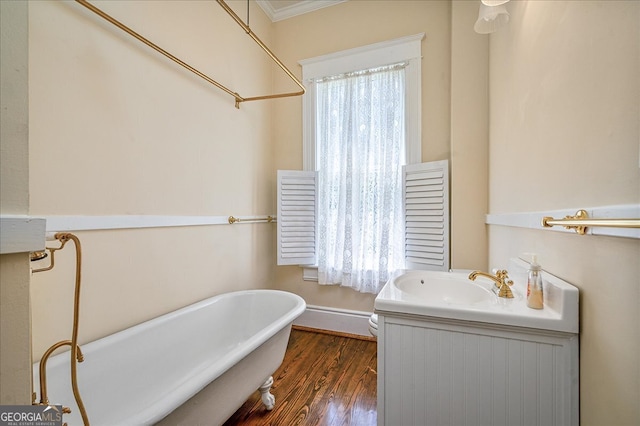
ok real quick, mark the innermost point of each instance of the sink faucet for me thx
(502, 283)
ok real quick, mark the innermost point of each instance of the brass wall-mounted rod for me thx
(268, 219)
(581, 221)
(200, 74)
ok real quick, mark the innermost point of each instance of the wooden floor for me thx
(323, 380)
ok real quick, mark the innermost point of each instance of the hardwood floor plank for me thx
(324, 380)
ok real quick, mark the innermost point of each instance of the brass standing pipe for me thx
(76, 353)
(160, 50)
(44, 397)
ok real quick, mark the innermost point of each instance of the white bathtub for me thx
(196, 365)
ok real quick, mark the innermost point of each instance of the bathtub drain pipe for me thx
(76, 353)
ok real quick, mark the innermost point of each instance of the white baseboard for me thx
(341, 320)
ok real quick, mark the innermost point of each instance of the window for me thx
(406, 49)
(361, 125)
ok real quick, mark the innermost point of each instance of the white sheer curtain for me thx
(360, 144)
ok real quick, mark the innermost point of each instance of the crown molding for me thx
(295, 9)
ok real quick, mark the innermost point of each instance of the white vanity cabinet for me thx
(450, 352)
(440, 372)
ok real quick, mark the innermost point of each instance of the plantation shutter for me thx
(296, 235)
(426, 209)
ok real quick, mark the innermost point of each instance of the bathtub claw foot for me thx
(268, 399)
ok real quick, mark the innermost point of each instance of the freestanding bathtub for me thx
(196, 365)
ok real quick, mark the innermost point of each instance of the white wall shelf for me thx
(21, 234)
(92, 223)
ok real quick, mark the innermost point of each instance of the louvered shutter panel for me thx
(296, 217)
(426, 209)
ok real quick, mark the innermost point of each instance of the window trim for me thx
(369, 56)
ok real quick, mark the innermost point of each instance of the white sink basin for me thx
(442, 286)
(451, 295)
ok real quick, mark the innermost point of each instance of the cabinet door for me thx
(446, 374)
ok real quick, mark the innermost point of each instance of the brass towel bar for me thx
(245, 27)
(581, 221)
(268, 219)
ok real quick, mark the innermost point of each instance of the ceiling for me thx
(277, 10)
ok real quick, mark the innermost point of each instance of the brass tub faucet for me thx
(75, 352)
(501, 280)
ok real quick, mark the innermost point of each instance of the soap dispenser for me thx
(535, 299)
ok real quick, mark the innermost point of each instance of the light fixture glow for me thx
(491, 18)
(494, 2)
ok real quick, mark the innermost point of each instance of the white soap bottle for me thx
(535, 296)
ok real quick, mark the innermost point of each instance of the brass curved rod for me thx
(200, 74)
(64, 237)
(44, 398)
(52, 263)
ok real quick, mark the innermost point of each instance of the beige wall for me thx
(565, 99)
(344, 26)
(469, 138)
(15, 324)
(117, 129)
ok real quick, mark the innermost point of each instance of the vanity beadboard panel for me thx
(453, 373)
